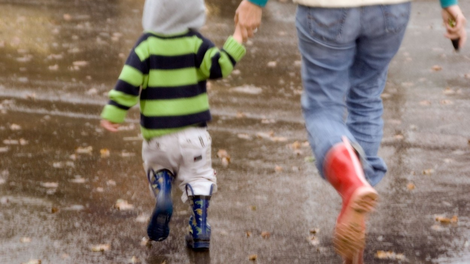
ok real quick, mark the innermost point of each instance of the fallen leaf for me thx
(57, 165)
(54, 210)
(267, 121)
(236, 72)
(252, 257)
(425, 103)
(104, 153)
(248, 234)
(10, 142)
(134, 260)
(398, 137)
(436, 68)
(244, 136)
(84, 150)
(279, 139)
(145, 242)
(309, 159)
(80, 63)
(265, 234)
(100, 248)
(75, 207)
(407, 84)
(15, 127)
(142, 218)
(225, 161)
(123, 205)
(247, 89)
(428, 171)
(33, 261)
(49, 184)
(92, 91)
(111, 183)
(240, 115)
(78, 179)
(389, 255)
(126, 154)
(448, 91)
(314, 231)
(272, 64)
(295, 145)
(446, 220)
(67, 17)
(25, 240)
(410, 186)
(313, 240)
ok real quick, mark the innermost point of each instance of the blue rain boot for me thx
(199, 230)
(160, 184)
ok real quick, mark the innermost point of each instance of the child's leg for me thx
(198, 182)
(196, 166)
(159, 166)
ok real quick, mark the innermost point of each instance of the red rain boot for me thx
(344, 172)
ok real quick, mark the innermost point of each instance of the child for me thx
(166, 72)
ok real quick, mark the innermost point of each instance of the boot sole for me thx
(349, 238)
(158, 228)
(197, 244)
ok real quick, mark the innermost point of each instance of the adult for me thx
(346, 48)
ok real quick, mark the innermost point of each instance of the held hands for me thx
(110, 126)
(454, 22)
(247, 20)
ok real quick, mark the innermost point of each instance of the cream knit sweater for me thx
(347, 3)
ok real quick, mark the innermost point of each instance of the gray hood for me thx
(173, 16)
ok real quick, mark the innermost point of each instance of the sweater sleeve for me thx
(126, 91)
(447, 3)
(261, 3)
(220, 63)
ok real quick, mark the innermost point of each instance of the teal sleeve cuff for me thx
(447, 3)
(261, 3)
(235, 49)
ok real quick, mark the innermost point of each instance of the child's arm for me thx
(126, 92)
(217, 63)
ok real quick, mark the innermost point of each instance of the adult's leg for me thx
(382, 31)
(327, 42)
(327, 45)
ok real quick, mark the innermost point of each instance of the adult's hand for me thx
(248, 18)
(110, 126)
(455, 21)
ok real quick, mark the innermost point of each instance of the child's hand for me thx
(110, 126)
(237, 35)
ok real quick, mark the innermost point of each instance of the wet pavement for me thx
(59, 187)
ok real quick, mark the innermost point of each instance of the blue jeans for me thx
(345, 57)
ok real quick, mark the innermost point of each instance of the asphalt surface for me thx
(63, 178)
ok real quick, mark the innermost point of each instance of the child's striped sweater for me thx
(167, 75)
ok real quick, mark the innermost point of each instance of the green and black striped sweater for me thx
(167, 75)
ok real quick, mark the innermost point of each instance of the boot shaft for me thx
(343, 169)
(160, 182)
(198, 221)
